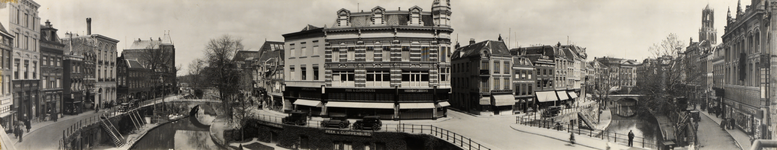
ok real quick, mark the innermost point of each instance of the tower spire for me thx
(739, 7)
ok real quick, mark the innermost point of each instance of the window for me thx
(342, 78)
(369, 57)
(484, 65)
(496, 67)
(386, 56)
(304, 73)
(445, 74)
(443, 54)
(340, 145)
(315, 47)
(506, 66)
(378, 78)
(291, 72)
(415, 78)
(315, 73)
(506, 82)
(26, 68)
(484, 86)
(425, 54)
(291, 50)
(405, 53)
(34, 69)
(303, 49)
(335, 55)
(495, 81)
(351, 52)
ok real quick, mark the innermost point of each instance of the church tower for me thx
(707, 31)
(441, 13)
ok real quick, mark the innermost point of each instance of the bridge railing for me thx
(440, 133)
(617, 138)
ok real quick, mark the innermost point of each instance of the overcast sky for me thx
(615, 28)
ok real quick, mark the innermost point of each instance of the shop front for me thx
(503, 104)
(312, 107)
(563, 98)
(524, 104)
(416, 110)
(360, 109)
(746, 117)
(546, 99)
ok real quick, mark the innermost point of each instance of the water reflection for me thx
(641, 125)
(181, 134)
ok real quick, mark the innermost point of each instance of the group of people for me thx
(18, 130)
(727, 123)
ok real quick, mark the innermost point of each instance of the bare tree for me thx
(222, 71)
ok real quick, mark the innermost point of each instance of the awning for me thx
(360, 105)
(572, 95)
(562, 95)
(416, 105)
(504, 100)
(443, 104)
(485, 101)
(547, 96)
(305, 102)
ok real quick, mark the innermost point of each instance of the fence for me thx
(441, 133)
(601, 134)
(110, 113)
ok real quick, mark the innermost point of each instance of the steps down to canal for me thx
(116, 137)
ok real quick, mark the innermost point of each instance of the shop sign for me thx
(359, 90)
(348, 132)
(416, 90)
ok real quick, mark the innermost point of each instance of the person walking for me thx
(631, 138)
(21, 132)
(27, 123)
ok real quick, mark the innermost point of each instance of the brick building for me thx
(99, 61)
(390, 63)
(158, 56)
(51, 70)
(482, 78)
(6, 102)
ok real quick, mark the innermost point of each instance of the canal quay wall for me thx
(302, 137)
(90, 133)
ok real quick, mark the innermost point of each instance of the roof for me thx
(134, 64)
(543, 50)
(391, 17)
(245, 55)
(494, 48)
(3, 31)
(310, 27)
(521, 61)
(150, 44)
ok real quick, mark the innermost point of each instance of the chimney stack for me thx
(471, 41)
(88, 26)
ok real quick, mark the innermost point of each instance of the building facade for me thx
(6, 102)
(24, 24)
(523, 84)
(51, 70)
(99, 62)
(389, 63)
(483, 78)
(131, 80)
(75, 81)
(748, 87)
(270, 75)
(157, 56)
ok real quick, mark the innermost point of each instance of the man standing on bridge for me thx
(631, 138)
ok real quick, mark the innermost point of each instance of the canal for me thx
(185, 133)
(643, 125)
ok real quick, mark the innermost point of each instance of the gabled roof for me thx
(543, 50)
(310, 27)
(3, 31)
(521, 61)
(493, 48)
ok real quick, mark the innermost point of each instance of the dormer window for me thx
(415, 15)
(377, 15)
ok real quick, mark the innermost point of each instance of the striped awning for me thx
(416, 105)
(360, 105)
(305, 102)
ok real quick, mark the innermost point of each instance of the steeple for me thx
(739, 7)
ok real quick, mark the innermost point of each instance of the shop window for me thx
(341, 145)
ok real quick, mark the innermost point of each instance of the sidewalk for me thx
(742, 140)
(582, 141)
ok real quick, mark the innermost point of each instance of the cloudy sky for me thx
(613, 28)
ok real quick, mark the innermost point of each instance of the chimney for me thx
(471, 41)
(88, 26)
(160, 38)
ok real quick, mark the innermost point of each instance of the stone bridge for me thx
(625, 104)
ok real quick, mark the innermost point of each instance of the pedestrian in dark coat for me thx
(631, 138)
(21, 133)
(27, 124)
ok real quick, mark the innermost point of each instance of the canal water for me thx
(643, 125)
(184, 133)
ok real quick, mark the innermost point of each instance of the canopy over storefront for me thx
(546, 96)
(360, 105)
(562, 95)
(504, 100)
(304, 102)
